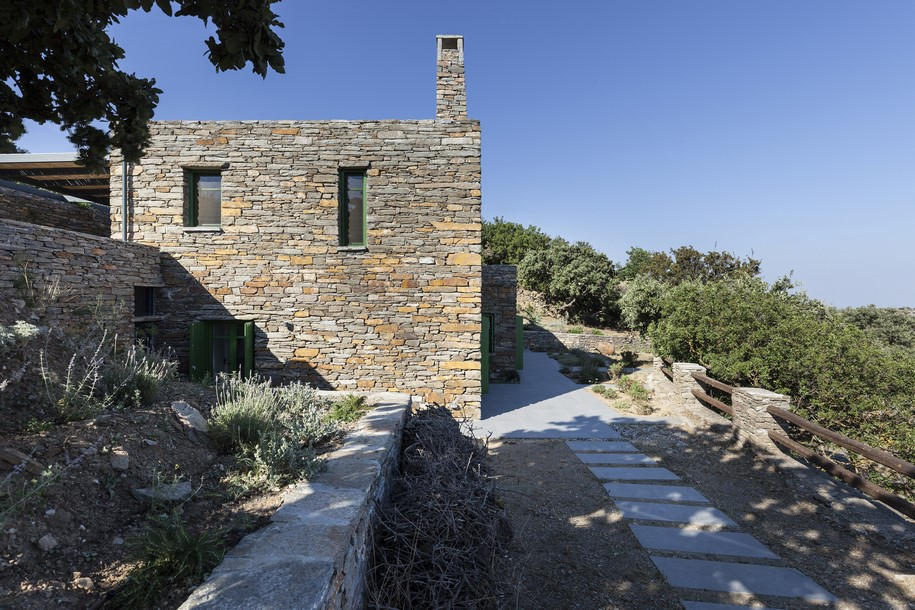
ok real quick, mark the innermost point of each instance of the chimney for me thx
(450, 90)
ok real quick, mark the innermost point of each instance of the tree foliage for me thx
(506, 243)
(576, 277)
(640, 304)
(748, 333)
(686, 263)
(58, 64)
(891, 327)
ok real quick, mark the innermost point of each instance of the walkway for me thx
(696, 547)
(547, 404)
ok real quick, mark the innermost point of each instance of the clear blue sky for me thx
(777, 128)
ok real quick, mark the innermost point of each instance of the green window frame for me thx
(490, 331)
(192, 196)
(350, 218)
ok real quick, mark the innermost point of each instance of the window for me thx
(204, 199)
(144, 301)
(221, 346)
(352, 207)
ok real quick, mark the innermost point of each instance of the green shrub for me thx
(575, 330)
(635, 389)
(747, 333)
(348, 409)
(506, 243)
(273, 430)
(607, 392)
(134, 379)
(640, 302)
(168, 556)
(616, 370)
(628, 358)
(576, 278)
(891, 327)
(588, 372)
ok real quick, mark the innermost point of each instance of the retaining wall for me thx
(314, 553)
(29, 206)
(548, 341)
(94, 277)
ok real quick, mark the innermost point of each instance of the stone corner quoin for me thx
(401, 314)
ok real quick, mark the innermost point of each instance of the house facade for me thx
(343, 253)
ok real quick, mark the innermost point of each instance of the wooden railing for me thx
(666, 369)
(858, 481)
(704, 397)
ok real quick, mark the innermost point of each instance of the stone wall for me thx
(94, 276)
(315, 552)
(548, 341)
(402, 314)
(32, 207)
(500, 283)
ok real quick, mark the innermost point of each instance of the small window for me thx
(204, 199)
(144, 301)
(352, 208)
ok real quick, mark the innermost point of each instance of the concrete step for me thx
(740, 578)
(616, 458)
(602, 446)
(643, 491)
(675, 513)
(692, 541)
(635, 473)
(688, 605)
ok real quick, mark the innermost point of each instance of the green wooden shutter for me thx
(248, 366)
(341, 208)
(484, 353)
(519, 342)
(200, 355)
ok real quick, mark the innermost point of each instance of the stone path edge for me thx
(313, 552)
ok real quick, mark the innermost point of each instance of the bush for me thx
(891, 327)
(747, 333)
(628, 358)
(616, 370)
(576, 278)
(686, 264)
(506, 243)
(168, 556)
(636, 390)
(135, 379)
(606, 392)
(348, 409)
(640, 304)
(273, 430)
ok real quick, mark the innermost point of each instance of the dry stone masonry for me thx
(94, 276)
(28, 205)
(402, 313)
(500, 283)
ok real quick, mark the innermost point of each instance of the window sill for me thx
(152, 318)
(204, 229)
(352, 249)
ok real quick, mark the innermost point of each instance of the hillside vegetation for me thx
(851, 370)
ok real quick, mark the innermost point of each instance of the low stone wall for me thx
(94, 277)
(547, 341)
(29, 206)
(314, 553)
(500, 284)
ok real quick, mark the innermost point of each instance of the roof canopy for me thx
(58, 172)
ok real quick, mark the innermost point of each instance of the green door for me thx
(220, 346)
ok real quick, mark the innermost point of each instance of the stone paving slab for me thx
(644, 491)
(616, 458)
(740, 578)
(688, 605)
(625, 473)
(676, 513)
(601, 446)
(691, 541)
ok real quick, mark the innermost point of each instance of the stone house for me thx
(344, 253)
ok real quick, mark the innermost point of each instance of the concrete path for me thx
(695, 546)
(547, 404)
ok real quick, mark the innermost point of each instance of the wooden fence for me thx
(855, 480)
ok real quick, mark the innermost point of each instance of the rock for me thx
(190, 417)
(117, 541)
(175, 492)
(120, 459)
(84, 582)
(606, 349)
(15, 457)
(47, 542)
(149, 442)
